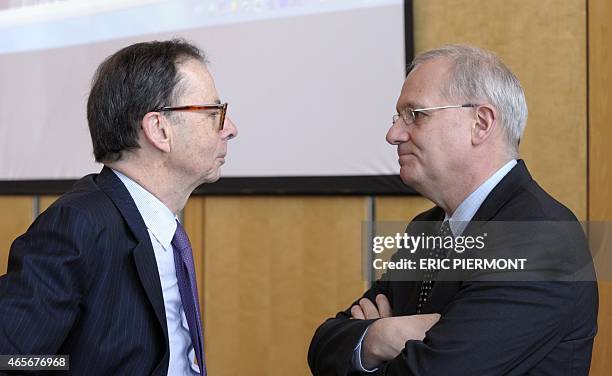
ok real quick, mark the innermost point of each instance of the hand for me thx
(387, 337)
(367, 310)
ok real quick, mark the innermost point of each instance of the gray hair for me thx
(478, 75)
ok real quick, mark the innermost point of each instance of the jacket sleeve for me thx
(489, 328)
(507, 323)
(331, 348)
(46, 279)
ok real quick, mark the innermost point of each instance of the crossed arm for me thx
(488, 328)
(333, 346)
(386, 337)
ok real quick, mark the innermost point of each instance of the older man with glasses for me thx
(460, 117)
(106, 274)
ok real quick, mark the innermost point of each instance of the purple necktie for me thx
(185, 275)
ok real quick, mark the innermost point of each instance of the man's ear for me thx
(484, 124)
(156, 130)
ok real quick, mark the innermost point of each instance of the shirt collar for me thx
(160, 221)
(468, 207)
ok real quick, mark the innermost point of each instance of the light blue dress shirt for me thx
(457, 222)
(161, 225)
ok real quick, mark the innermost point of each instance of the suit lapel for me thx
(144, 256)
(443, 291)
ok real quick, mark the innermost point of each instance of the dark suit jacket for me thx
(486, 327)
(83, 281)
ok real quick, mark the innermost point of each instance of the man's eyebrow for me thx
(409, 105)
(217, 101)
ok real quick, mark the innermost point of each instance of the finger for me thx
(357, 313)
(369, 309)
(432, 318)
(384, 307)
(427, 321)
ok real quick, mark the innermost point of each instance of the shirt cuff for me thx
(357, 356)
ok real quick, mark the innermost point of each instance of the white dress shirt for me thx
(457, 222)
(161, 225)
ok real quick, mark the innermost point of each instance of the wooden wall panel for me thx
(600, 161)
(544, 43)
(600, 110)
(402, 209)
(274, 269)
(15, 219)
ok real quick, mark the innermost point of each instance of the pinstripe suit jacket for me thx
(83, 281)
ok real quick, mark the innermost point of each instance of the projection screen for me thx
(311, 85)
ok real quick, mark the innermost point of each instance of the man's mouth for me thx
(404, 157)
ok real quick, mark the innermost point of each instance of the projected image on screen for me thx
(311, 85)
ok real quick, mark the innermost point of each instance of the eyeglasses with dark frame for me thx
(222, 107)
(417, 111)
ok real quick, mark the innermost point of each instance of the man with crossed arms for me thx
(461, 115)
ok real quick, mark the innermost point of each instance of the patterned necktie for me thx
(428, 276)
(185, 275)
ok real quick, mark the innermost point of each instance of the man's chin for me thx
(408, 176)
(212, 177)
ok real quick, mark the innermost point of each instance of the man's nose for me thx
(229, 129)
(398, 133)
